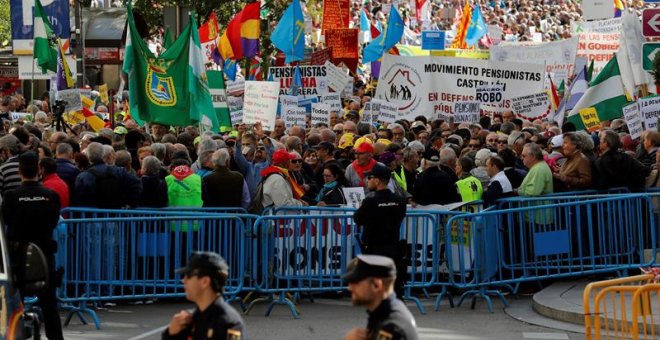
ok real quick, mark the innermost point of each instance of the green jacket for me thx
(184, 193)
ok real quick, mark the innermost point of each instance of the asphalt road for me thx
(323, 319)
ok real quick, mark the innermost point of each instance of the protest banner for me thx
(336, 14)
(557, 56)
(490, 94)
(649, 109)
(236, 117)
(460, 53)
(428, 85)
(333, 100)
(260, 103)
(532, 106)
(495, 33)
(598, 40)
(466, 112)
(337, 77)
(313, 79)
(348, 89)
(589, 117)
(633, 120)
(388, 113)
(293, 115)
(71, 98)
(320, 114)
(344, 45)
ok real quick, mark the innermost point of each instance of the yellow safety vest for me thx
(470, 189)
(401, 178)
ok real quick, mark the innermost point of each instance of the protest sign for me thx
(320, 114)
(598, 40)
(371, 111)
(633, 120)
(649, 109)
(495, 34)
(14, 116)
(103, 92)
(294, 115)
(348, 89)
(234, 103)
(490, 94)
(344, 45)
(589, 117)
(532, 106)
(597, 9)
(354, 196)
(425, 84)
(333, 100)
(337, 77)
(466, 112)
(557, 56)
(320, 57)
(260, 103)
(388, 113)
(313, 79)
(71, 99)
(236, 117)
(236, 88)
(336, 14)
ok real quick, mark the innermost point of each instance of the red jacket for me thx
(55, 183)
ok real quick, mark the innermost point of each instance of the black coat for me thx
(618, 169)
(435, 186)
(154, 192)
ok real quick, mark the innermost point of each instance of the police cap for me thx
(365, 266)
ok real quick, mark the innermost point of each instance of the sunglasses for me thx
(261, 148)
(296, 161)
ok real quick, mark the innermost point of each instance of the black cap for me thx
(435, 134)
(204, 263)
(325, 145)
(353, 113)
(379, 171)
(365, 266)
(431, 154)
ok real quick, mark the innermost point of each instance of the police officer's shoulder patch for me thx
(233, 334)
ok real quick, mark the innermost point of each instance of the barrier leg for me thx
(283, 300)
(444, 292)
(78, 311)
(267, 298)
(235, 298)
(484, 294)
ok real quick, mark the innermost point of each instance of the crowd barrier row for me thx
(114, 255)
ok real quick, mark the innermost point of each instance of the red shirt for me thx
(55, 183)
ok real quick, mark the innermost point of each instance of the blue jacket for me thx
(251, 170)
(67, 172)
(85, 194)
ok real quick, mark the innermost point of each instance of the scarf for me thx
(362, 169)
(326, 188)
(296, 189)
(181, 172)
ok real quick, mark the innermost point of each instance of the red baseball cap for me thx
(281, 156)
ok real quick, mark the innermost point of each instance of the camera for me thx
(59, 107)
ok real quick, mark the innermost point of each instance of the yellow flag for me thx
(103, 92)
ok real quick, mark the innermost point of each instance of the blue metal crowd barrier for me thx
(511, 246)
(125, 258)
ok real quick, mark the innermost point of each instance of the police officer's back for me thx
(380, 215)
(204, 278)
(370, 280)
(31, 213)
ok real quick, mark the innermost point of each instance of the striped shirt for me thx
(9, 177)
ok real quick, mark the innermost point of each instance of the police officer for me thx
(380, 215)
(31, 213)
(204, 279)
(371, 280)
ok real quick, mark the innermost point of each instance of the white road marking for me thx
(553, 336)
(150, 333)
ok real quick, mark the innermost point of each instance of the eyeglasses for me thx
(261, 148)
(296, 161)
(492, 140)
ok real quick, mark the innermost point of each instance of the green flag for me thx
(172, 88)
(590, 71)
(45, 46)
(219, 96)
(167, 39)
(605, 94)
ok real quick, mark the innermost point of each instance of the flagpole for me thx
(32, 82)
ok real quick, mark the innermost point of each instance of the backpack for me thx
(109, 194)
(256, 206)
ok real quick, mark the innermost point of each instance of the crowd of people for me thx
(431, 161)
